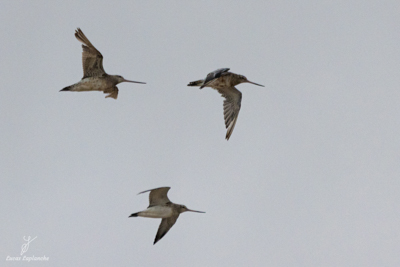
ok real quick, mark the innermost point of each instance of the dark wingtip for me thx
(157, 239)
(68, 88)
(133, 215)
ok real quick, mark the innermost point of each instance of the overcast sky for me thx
(309, 177)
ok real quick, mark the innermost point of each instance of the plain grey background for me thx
(310, 176)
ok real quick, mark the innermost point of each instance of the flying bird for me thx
(224, 82)
(94, 76)
(161, 207)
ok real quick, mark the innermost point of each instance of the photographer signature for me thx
(25, 247)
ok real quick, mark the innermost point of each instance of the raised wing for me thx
(232, 103)
(165, 225)
(158, 196)
(92, 59)
(213, 75)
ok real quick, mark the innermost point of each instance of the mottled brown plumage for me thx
(92, 59)
(224, 82)
(94, 76)
(161, 207)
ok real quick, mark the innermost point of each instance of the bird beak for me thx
(256, 84)
(196, 211)
(128, 81)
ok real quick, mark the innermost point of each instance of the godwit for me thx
(161, 207)
(94, 76)
(224, 82)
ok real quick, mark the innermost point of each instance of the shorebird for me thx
(94, 76)
(161, 207)
(224, 82)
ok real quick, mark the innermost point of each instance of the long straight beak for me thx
(128, 81)
(256, 84)
(196, 211)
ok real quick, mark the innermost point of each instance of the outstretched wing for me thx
(158, 196)
(213, 75)
(232, 103)
(165, 225)
(92, 59)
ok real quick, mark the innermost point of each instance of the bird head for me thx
(243, 79)
(121, 79)
(183, 208)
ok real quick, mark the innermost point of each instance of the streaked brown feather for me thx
(158, 196)
(232, 104)
(113, 92)
(92, 59)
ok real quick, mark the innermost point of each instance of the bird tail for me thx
(134, 214)
(196, 83)
(68, 88)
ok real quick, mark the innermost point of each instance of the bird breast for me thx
(223, 82)
(157, 212)
(94, 84)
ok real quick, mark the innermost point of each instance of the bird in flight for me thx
(94, 76)
(161, 207)
(224, 82)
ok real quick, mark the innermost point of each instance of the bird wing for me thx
(213, 75)
(165, 225)
(92, 59)
(232, 103)
(158, 196)
(113, 92)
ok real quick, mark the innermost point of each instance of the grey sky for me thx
(309, 177)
